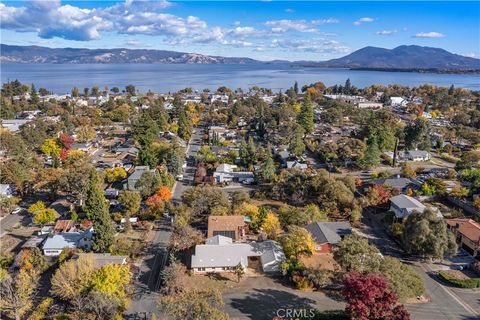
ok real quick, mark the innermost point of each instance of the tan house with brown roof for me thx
(467, 234)
(233, 227)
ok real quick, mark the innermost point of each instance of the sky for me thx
(264, 30)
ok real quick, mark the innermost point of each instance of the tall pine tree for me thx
(96, 209)
(306, 117)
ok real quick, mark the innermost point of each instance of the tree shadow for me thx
(265, 303)
(217, 276)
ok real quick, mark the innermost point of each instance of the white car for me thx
(179, 177)
(16, 210)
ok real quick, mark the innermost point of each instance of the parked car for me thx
(179, 177)
(16, 210)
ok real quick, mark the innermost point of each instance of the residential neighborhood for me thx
(123, 204)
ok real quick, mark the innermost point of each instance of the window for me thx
(225, 233)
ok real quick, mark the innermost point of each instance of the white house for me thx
(296, 165)
(55, 244)
(415, 155)
(403, 205)
(370, 105)
(398, 102)
(225, 173)
(221, 254)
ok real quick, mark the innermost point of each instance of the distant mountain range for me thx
(404, 57)
(36, 54)
(411, 58)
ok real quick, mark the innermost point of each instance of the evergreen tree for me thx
(96, 208)
(34, 99)
(184, 126)
(417, 135)
(372, 154)
(295, 87)
(306, 116)
(348, 87)
(297, 146)
(268, 170)
(147, 156)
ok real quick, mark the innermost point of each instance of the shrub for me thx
(461, 283)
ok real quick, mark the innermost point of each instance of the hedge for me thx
(461, 283)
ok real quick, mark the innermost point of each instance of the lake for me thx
(61, 78)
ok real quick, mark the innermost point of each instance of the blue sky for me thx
(266, 30)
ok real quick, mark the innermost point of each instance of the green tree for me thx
(372, 155)
(75, 92)
(148, 183)
(296, 146)
(268, 170)
(130, 89)
(204, 199)
(34, 99)
(417, 135)
(96, 208)
(403, 279)
(306, 116)
(426, 235)
(356, 254)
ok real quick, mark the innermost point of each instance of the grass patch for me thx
(462, 282)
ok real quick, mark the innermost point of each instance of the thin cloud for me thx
(386, 32)
(431, 35)
(363, 20)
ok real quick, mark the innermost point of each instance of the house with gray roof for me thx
(403, 206)
(221, 254)
(326, 234)
(398, 183)
(55, 243)
(136, 175)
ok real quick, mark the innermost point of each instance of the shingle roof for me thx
(404, 201)
(468, 227)
(329, 232)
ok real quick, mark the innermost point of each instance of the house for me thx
(225, 173)
(13, 125)
(369, 105)
(398, 102)
(102, 259)
(7, 190)
(55, 244)
(86, 147)
(221, 254)
(326, 234)
(403, 205)
(136, 175)
(467, 234)
(233, 227)
(64, 226)
(418, 155)
(296, 165)
(397, 183)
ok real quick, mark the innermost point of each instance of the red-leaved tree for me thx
(66, 140)
(369, 298)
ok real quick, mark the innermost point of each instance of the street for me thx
(189, 172)
(12, 220)
(145, 295)
(447, 303)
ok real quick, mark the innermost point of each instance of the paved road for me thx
(446, 303)
(145, 295)
(189, 171)
(12, 220)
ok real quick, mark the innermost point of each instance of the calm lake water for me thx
(60, 78)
